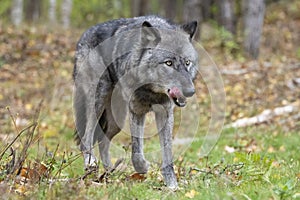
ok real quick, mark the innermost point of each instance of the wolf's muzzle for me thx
(188, 92)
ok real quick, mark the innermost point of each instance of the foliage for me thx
(227, 40)
(5, 5)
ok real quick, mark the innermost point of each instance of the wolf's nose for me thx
(189, 92)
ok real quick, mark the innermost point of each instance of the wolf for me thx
(132, 66)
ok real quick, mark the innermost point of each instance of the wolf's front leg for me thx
(164, 122)
(139, 162)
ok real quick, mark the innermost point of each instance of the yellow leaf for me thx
(20, 189)
(193, 171)
(271, 149)
(191, 194)
(235, 159)
(28, 106)
(50, 133)
(282, 148)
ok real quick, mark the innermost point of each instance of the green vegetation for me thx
(265, 165)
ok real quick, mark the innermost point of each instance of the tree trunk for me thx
(139, 7)
(66, 9)
(170, 9)
(226, 16)
(206, 9)
(253, 11)
(33, 10)
(17, 12)
(192, 11)
(135, 5)
(52, 11)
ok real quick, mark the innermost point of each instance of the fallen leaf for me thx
(194, 171)
(20, 189)
(50, 133)
(282, 148)
(271, 150)
(191, 194)
(137, 177)
(34, 174)
(229, 149)
(28, 106)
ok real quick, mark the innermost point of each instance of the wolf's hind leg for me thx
(85, 125)
(139, 162)
(112, 125)
(111, 129)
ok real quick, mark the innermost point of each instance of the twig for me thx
(23, 154)
(264, 116)
(68, 164)
(53, 157)
(90, 171)
(234, 71)
(106, 173)
(14, 140)
(13, 119)
(9, 166)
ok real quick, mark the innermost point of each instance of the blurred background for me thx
(236, 22)
(255, 43)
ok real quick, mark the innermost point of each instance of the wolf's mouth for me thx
(177, 97)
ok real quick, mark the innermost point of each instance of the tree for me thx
(139, 7)
(170, 9)
(192, 11)
(33, 10)
(206, 9)
(253, 16)
(52, 11)
(226, 16)
(66, 9)
(17, 12)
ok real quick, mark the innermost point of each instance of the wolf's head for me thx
(171, 60)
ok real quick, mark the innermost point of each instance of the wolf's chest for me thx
(143, 99)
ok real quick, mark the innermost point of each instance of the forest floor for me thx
(253, 160)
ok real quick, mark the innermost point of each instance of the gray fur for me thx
(120, 67)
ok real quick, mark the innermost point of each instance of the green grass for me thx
(266, 165)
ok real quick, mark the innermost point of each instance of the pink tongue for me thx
(174, 92)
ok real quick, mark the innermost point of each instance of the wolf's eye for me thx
(187, 62)
(169, 63)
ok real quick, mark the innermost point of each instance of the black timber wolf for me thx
(133, 66)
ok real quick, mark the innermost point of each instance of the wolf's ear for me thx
(149, 35)
(190, 28)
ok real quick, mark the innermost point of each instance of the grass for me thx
(265, 164)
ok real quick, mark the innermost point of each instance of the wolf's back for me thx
(100, 32)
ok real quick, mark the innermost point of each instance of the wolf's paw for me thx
(173, 185)
(140, 164)
(170, 177)
(90, 163)
(92, 168)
